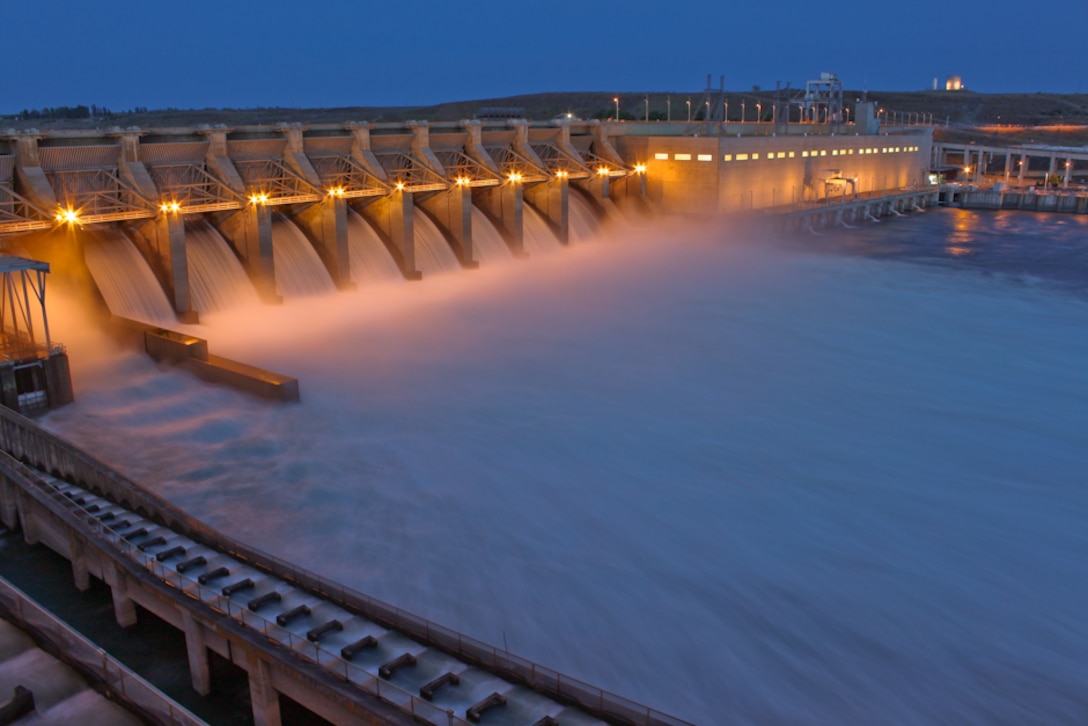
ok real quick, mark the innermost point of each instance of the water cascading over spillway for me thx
(299, 271)
(217, 280)
(370, 260)
(581, 218)
(488, 245)
(433, 254)
(124, 278)
(538, 237)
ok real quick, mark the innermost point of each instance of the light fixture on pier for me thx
(336, 192)
(67, 214)
(562, 174)
(515, 176)
(602, 170)
(260, 198)
(462, 180)
(170, 207)
(400, 186)
(640, 168)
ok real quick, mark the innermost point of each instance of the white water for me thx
(738, 484)
(124, 278)
(433, 253)
(369, 259)
(217, 280)
(581, 218)
(299, 270)
(537, 236)
(487, 243)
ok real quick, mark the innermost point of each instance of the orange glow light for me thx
(68, 215)
(400, 186)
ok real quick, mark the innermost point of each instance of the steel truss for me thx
(611, 168)
(99, 195)
(274, 183)
(18, 214)
(512, 164)
(347, 177)
(193, 189)
(558, 161)
(463, 169)
(409, 174)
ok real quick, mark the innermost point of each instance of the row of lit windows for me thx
(755, 156)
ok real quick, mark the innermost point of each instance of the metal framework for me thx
(99, 195)
(192, 188)
(409, 174)
(18, 214)
(511, 164)
(557, 161)
(21, 278)
(611, 168)
(275, 183)
(350, 178)
(822, 102)
(463, 169)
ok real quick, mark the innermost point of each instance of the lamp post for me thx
(646, 100)
(742, 119)
(706, 117)
(668, 108)
(616, 100)
(759, 112)
(689, 110)
(725, 116)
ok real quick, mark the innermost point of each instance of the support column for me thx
(166, 234)
(124, 608)
(1068, 173)
(552, 199)
(265, 699)
(197, 651)
(392, 217)
(599, 186)
(326, 222)
(249, 231)
(1051, 170)
(28, 520)
(504, 204)
(452, 209)
(1008, 164)
(77, 554)
(9, 511)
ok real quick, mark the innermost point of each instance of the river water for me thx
(833, 479)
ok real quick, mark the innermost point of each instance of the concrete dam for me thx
(173, 224)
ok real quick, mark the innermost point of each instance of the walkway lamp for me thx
(759, 112)
(616, 100)
(689, 110)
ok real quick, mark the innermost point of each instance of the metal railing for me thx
(121, 683)
(25, 440)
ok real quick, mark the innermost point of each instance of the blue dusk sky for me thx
(241, 53)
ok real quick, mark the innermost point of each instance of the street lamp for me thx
(725, 116)
(742, 119)
(668, 108)
(759, 112)
(707, 116)
(647, 102)
(689, 110)
(616, 100)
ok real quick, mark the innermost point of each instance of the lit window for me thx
(661, 157)
(804, 154)
(897, 149)
(755, 156)
(728, 157)
(834, 152)
(782, 155)
(706, 157)
(791, 154)
(742, 157)
(682, 157)
(851, 151)
(770, 156)
(823, 152)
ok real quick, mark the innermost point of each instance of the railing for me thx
(123, 684)
(27, 441)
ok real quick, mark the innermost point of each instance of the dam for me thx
(386, 204)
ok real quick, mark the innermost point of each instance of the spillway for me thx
(299, 271)
(217, 280)
(537, 236)
(487, 243)
(433, 253)
(369, 259)
(581, 217)
(124, 278)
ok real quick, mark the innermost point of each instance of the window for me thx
(728, 157)
(755, 156)
(742, 157)
(791, 154)
(661, 157)
(804, 154)
(823, 152)
(834, 152)
(851, 151)
(682, 157)
(782, 155)
(706, 157)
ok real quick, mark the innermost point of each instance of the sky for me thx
(328, 53)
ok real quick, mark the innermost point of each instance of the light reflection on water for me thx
(738, 482)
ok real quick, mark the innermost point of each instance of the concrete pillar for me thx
(326, 223)
(33, 184)
(78, 557)
(452, 210)
(265, 699)
(28, 521)
(294, 155)
(249, 231)
(361, 150)
(166, 234)
(504, 204)
(124, 608)
(421, 146)
(9, 511)
(599, 186)
(1008, 164)
(392, 216)
(199, 668)
(1024, 162)
(1068, 173)
(552, 199)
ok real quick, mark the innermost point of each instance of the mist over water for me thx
(832, 480)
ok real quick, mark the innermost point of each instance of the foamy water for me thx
(739, 482)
